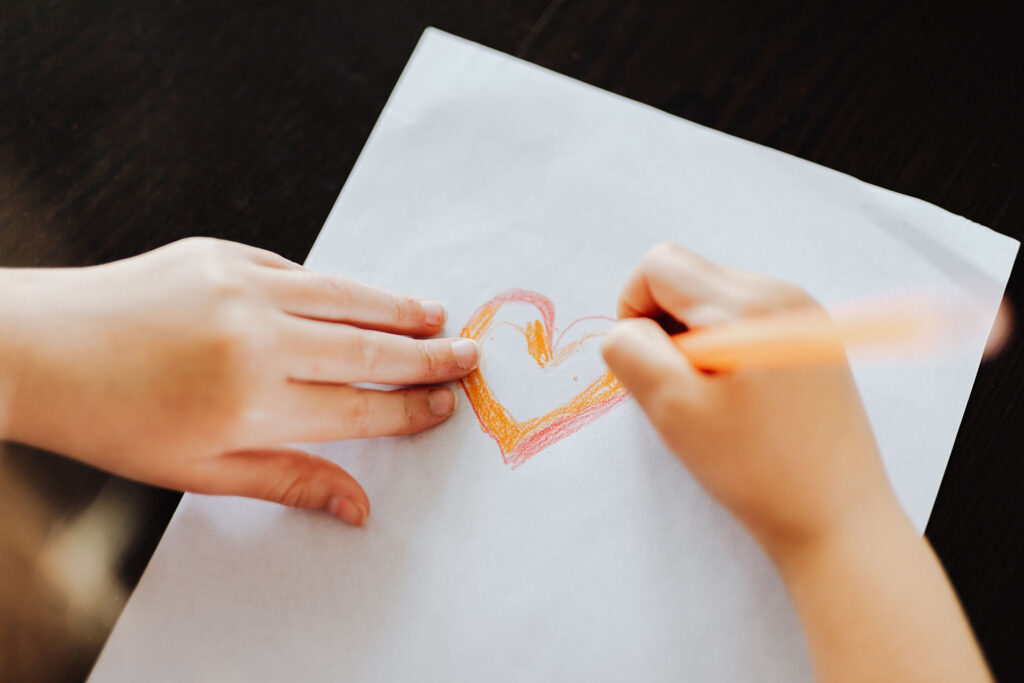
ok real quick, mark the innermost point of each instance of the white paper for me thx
(599, 558)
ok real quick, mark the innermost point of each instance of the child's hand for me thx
(789, 452)
(190, 366)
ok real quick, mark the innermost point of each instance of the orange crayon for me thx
(809, 336)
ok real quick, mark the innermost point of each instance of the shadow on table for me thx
(73, 543)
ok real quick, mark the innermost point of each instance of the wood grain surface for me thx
(128, 124)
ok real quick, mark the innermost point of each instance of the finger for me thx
(642, 356)
(338, 299)
(326, 352)
(698, 292)
(321, 412)
(287, 476)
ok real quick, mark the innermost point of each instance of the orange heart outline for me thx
(519, 440)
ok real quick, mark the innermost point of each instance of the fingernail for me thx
(348, 511)
(364, 512)
(466, 354)
(442, 402)
(433, 313)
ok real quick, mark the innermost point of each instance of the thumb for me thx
(287, 476)
(644, 358)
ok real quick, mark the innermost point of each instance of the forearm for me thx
(876, 605)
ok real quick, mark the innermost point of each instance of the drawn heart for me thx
(521, 438)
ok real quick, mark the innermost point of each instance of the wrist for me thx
(854, 537)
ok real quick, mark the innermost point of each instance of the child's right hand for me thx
(789, 452)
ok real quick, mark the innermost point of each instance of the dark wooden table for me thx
(128, 124)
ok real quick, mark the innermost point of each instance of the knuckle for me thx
(765, 294)
(666, 253)
(360, 413)
(368, 352)
(208, 249)
(267, 257)
(226, 286)
(663, 250)
(197, 243)
(295, 489)
(668, 261)
(430, 358)
(403, 307)
(220, 276)
(411, 408)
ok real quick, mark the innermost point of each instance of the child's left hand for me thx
(191, 366)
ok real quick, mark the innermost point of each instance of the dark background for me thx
(126, 125)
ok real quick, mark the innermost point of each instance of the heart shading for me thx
(521, 439)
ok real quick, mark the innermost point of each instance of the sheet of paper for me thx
(585, 552)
